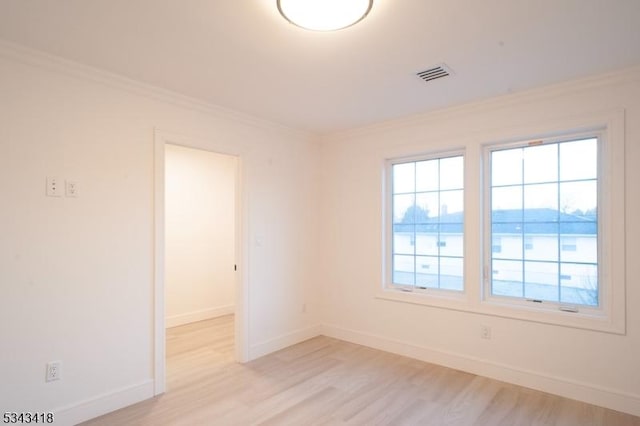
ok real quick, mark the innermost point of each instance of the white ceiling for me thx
(241, 54)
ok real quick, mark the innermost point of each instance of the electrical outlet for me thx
(485, 332)
(71, 189)
(54, 371)
(54, 186)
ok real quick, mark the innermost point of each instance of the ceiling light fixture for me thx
(324, 15)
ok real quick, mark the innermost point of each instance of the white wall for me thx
(200, 235)
(593, 366)
(76, 274)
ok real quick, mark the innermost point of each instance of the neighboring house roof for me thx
(534, 221)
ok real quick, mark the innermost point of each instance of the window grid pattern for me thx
(428, 212)
(549, 215)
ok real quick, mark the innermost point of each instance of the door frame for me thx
(241, 253)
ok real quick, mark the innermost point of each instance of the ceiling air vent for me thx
(438, 71)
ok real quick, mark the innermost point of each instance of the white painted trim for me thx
(613, 319)
(103, 404)
(242, 244)
(586, 392)
(242, 306)
(284, 341)
(200, 315)
(536, 94)
(159, 338)
(37, 58)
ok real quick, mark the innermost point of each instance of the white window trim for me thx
(609, 316)
(408, 293)
(612, 317)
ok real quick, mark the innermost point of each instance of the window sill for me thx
(545, 315)
(435, 298)
(551, 314)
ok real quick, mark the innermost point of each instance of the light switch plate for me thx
(54, 186)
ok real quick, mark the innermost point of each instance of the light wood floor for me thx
(324, 381)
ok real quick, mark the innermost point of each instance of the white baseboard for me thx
(189, 317)
(103, 404)
(283, 341)
(586, 392)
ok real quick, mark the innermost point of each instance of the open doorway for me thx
(200, 198)
(198, 248)
(199, 235)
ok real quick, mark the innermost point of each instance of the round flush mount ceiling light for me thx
(324, 15)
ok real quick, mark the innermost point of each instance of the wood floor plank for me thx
(325, 381)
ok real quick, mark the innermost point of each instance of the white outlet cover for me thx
(54, 371)
(485, 332)
(71, 189)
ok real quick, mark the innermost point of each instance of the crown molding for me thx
(37, 58)
(623, 76)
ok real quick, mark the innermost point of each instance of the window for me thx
(545, 191)
(549, 217)
(426, 206)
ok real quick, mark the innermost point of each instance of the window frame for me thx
(524, 302)
(611, 124)
(388, 243)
